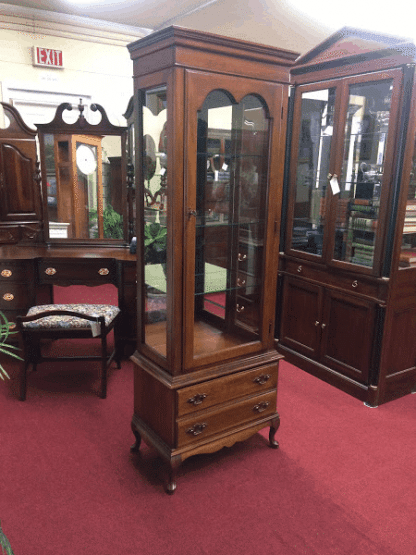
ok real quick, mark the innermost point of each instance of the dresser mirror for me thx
(85, 179)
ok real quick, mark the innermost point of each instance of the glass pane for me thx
(88, 192)
(232, 163)
(155, 210)
(408, 250)
(316, 128)
(112, 188)
(362, 172)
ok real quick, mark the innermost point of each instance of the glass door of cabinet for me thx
(360, 207)
(227, 224)
(341, 156)
(311, 160)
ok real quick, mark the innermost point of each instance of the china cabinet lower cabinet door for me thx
(332, 328)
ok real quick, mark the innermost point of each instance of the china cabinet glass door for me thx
(231, 204)
(312, 163)
(341, 156)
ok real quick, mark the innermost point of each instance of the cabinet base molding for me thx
(175, 457)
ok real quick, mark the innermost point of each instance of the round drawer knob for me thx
(6, 273)
(300, 269)
(8, 296)
(354, 284)
(103, 271)
(50, 271)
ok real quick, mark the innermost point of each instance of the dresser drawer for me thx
(14, 296)
(77, 271)
(16, 271)
(221, 390)
(210, 422)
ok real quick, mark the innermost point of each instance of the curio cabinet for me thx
(347, 287)
(210, 137)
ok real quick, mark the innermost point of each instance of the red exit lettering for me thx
(48, 57)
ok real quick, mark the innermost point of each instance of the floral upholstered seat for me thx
(70, 322)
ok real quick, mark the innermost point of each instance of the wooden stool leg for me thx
(104, 366)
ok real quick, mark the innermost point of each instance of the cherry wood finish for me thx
(201, 386)
(20, 199)
(27, 276)
(352, 323)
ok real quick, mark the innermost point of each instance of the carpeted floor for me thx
(341, 483)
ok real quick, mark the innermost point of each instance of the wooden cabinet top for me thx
(13, 252)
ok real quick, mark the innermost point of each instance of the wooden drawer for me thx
(14, 296)
(354, 284)
(77, 271)
(221, 390)
(208, 423)
(16, 271)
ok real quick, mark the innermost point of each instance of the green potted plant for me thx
(6, 548)
(155, 237)
(5, 347)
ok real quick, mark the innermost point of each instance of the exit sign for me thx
(46, 57)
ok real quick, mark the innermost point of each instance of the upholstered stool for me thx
(63, 321)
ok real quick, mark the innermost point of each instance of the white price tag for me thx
(95, 329)
(334, 185)
(162, 171)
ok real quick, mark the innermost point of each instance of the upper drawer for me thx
(221, 390)
(354, 283)
(16, 270)
(73, 270)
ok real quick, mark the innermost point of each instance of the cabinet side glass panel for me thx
(232, 165)
(407, 257)
(312, 167)
(361, 181)
(155, 200)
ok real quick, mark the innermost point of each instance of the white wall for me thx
(97, 65)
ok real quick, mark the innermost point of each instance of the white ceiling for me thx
(297, 25)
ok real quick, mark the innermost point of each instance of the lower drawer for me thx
(14, 296)
(209, 423)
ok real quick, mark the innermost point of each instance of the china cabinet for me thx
(347, 287)
(211, 115)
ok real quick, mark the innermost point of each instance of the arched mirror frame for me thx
(92, 133)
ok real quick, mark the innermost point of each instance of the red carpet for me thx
(342, 482)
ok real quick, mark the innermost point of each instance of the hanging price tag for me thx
(334, 185)
(95, 329)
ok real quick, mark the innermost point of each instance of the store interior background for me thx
(93, 36)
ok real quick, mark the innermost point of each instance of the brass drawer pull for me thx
(262, 379)
(12, 325)
(6, 273)
(239, 308)
(261, 406)
(103, 271)
(197, 399)
(8, 296)
(50, 271)
(196, 429)
(241, 282)
(241, 257)
(300, 269)
(354, 284)
(317, 323)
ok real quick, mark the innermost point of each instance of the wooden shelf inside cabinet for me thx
(205, 240)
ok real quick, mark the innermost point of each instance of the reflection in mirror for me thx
(84, 177)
